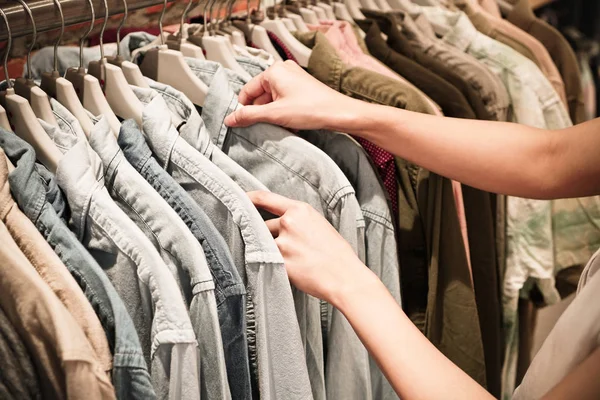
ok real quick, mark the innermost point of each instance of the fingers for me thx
(249, 115)
(274, 226)
(254, 89)
(271, 202)
(263, 99)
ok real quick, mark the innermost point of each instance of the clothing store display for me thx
(139, 268)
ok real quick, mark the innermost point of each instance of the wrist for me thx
(359, 283)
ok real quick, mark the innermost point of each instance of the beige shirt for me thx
(51, 269)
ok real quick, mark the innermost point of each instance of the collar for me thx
(6, 200)
(29, 191)
(480, 20)
(156, 124)
(220, 102)
(104, 143)
(522, 15)
(66, 121)
(455, 26)
(132, 142)
(375, 42)
(324, 63)
(184, 117)
(79, 174)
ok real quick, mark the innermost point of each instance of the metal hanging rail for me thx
(47, 17)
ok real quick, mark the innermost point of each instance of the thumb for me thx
(248, 115)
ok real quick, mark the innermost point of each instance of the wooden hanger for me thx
(88, 87)
(22, 118)
(25, 87)
(168, 66)
(119, 96)
(179, 41)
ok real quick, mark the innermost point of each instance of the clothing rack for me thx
(47, 16)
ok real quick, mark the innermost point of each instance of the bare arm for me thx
(497, 157)
(321, 263)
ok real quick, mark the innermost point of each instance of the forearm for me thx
(414, 367)
(497, 157)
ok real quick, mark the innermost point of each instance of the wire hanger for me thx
(168, 66)
(25, 87)
(130, 70)
(119, 96)
(23, 119)
(60, 88)
(88, 87)
(298, 50)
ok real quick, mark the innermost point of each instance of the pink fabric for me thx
(462, 219)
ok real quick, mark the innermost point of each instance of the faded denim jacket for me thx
(273, 325)
(135, 268)
(180, 251)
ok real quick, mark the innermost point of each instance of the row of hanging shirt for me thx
(170, 188)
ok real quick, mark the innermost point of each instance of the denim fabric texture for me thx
(281, 370)
(230, 292)
(135, 268)
(35, 191)
(180, 251)
(285, 163)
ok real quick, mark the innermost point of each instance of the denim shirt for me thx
(290, 166)
(37, 194)
(180, 251)
(135, 268)
(230, 292)
(282, 373)
(191, 128)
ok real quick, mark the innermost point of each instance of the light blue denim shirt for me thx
(282, 372)
(230, 291)
(38, 196)
(180, 251)
(292, 167)
(135, 268)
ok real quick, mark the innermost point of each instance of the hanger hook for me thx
(125, 12)
(8, 47)
(33, 38)
(210, 15)
(183, 18)
(160, 22)
(204, 16)
(102, 30)
(60, 35)
(86, 34)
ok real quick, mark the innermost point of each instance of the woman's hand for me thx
(318, 260)
(286, 95)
